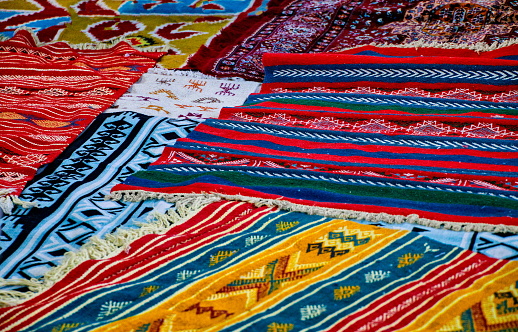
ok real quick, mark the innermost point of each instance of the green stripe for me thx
(368, 107)
(419, 195)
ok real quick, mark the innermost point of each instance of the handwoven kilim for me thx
(440, 77)
(315, 26)
(49, 94)
(237, 267)
(439, 181)
(183, 94)
(179, 26)
(46, 18)
(406, 104)
(70, 193)
(385, 122)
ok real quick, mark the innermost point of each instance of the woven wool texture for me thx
(183, 94)
(180, 27)
(49, 94)
(222, 268)
(462, 78)
(334, 163)
(313, 26)
(70, 192)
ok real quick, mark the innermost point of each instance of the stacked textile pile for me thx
(178, 26)
(315, 26)
(434, 161)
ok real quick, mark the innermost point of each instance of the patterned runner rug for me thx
(382, 120)
(439, 77)
(237, 267)
(49, 94)
(72, 214)
(457, 183)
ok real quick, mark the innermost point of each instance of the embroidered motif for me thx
(251, 240)
(375, 276)
(169, 93)
(280, 327)
(156, 108)
(148, 290)
(285, 225)
(207, 100)
(111, 307)
(326, 249)
(271, 277)
(344, 292)
(186, 274)
(312, 311)
(220, 256)
(165, 81)
(213, 313)
(196, 85)
(408, 259)
(12, 176)
(65, 327)
(227, 89)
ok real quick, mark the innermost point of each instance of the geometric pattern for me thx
(273, 162)
(70, 192)
(275, 285)
(457, 93)
(302, 26)
(344, 123)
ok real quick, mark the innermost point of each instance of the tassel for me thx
(8, 201)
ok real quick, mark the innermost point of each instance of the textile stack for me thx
(276, 166)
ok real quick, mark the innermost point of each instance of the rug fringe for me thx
(8, 201)
(136, 195)
(97, 248)
(477, 47)
(12, 297)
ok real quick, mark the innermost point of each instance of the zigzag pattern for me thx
(385, 101)
(430, 142)
(431, 73)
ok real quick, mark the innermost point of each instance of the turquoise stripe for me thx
(302, 308)
(167, 274)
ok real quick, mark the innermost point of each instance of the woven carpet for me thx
(179, 26)
(237, 267)
(70, 196)
(404, 177)
(441, 77)
(183, 94)
(49, 94)
(313, 26)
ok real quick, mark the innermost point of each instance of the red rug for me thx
(466, 78)
(48, 95)
(302, 26)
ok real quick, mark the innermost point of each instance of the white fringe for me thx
(138, 195)
(91, 46)
(190, 74)
(477, 47)
(8, 201)
(96, 248)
